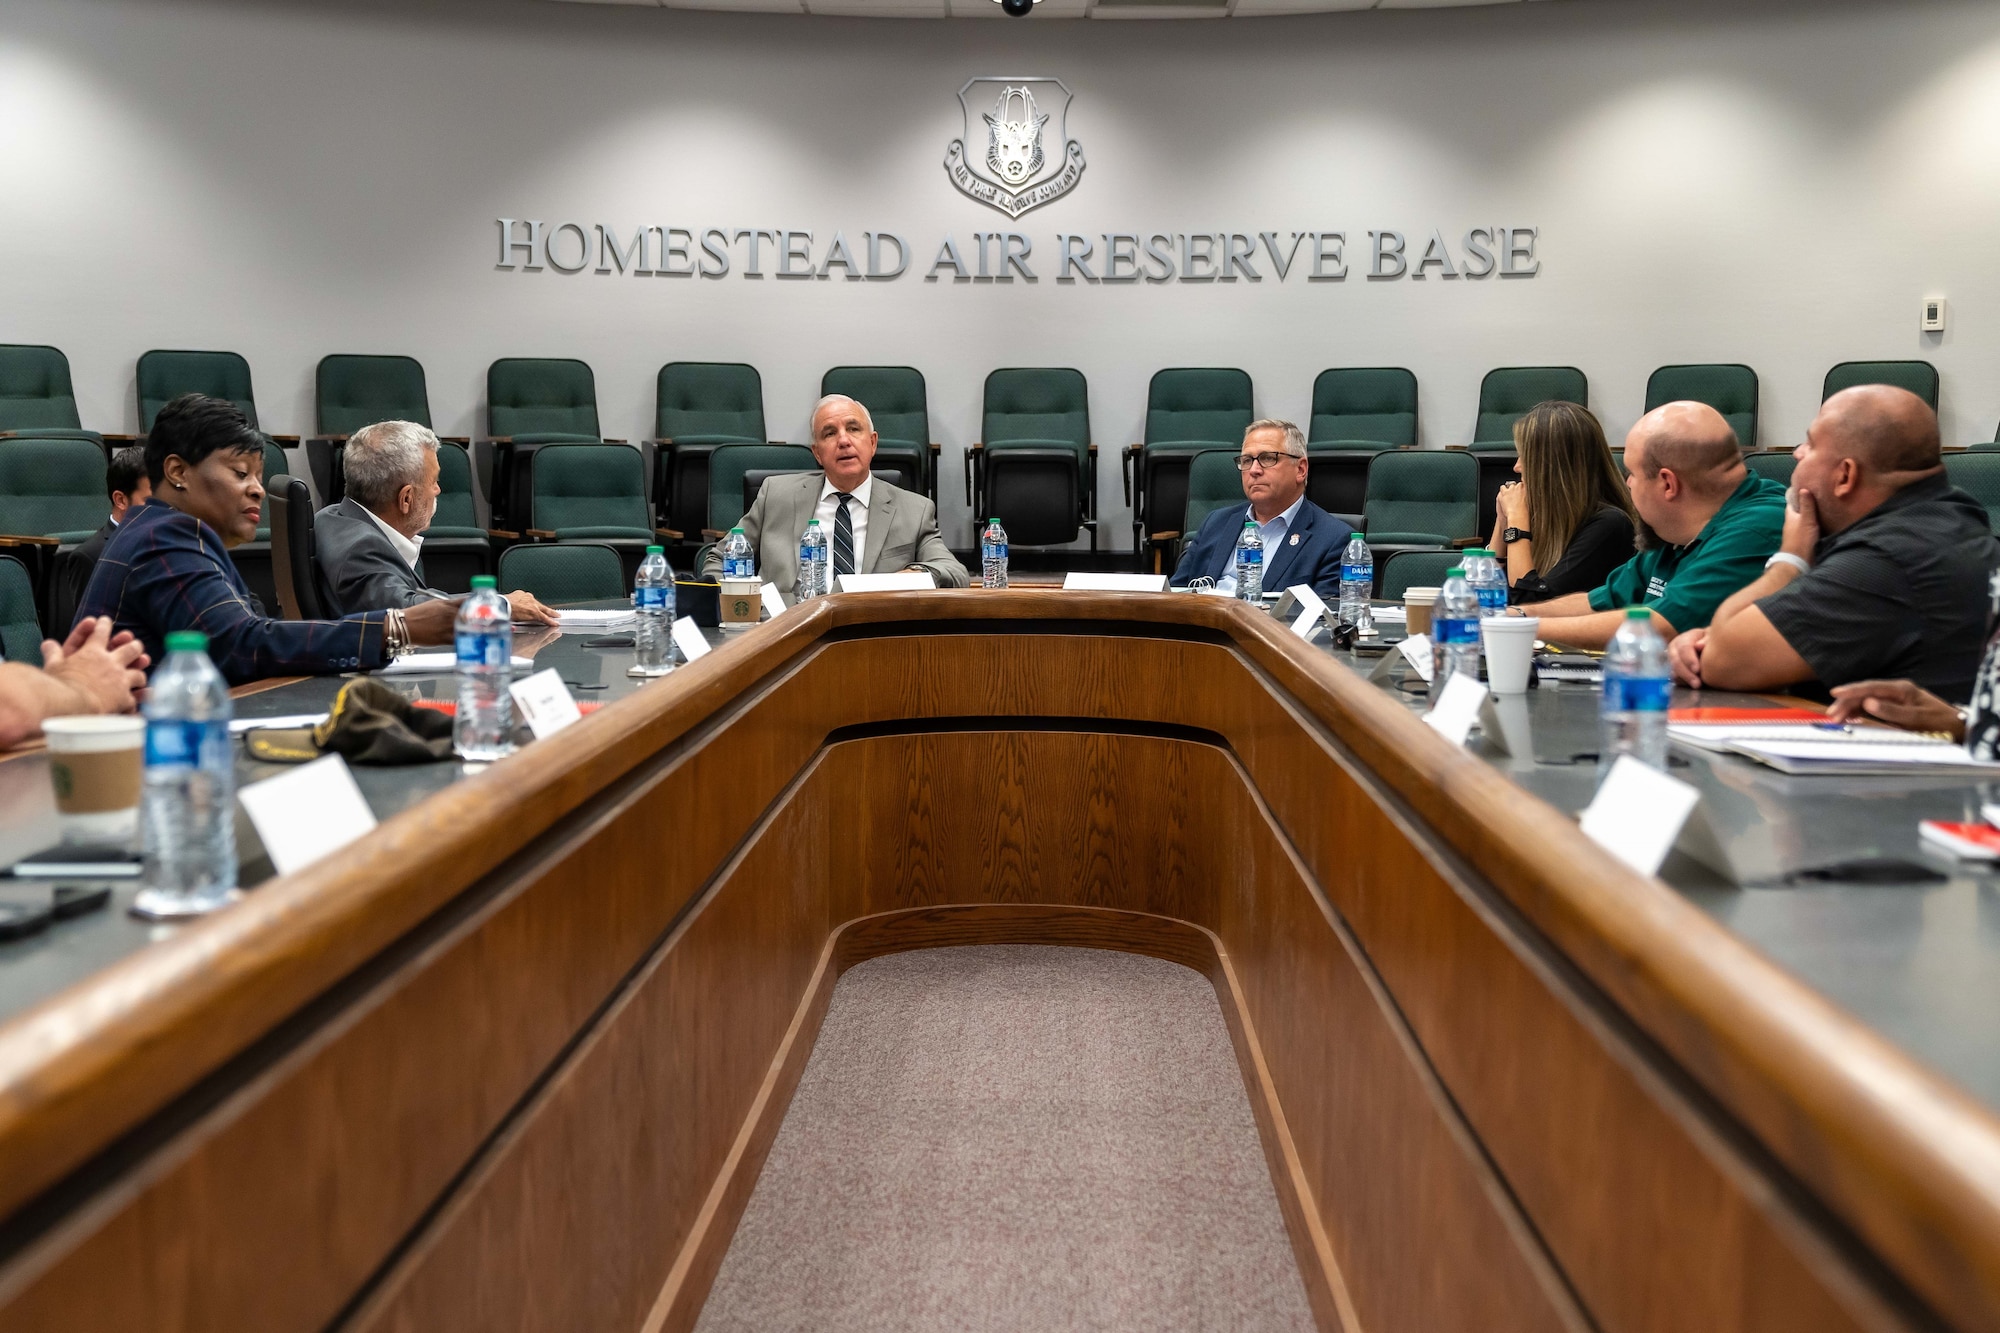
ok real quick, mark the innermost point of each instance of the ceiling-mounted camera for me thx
(1018, 9)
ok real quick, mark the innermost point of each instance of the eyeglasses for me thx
(1244, 462)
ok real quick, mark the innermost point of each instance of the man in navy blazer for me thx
(1302, 542)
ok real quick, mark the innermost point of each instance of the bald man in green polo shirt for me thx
(1713, 525)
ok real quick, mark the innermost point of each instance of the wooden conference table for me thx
(513, 1062)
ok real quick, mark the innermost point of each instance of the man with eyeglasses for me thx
(1302, 542)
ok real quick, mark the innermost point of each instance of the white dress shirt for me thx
(857, 514)
(1273, 534)
(407, 547)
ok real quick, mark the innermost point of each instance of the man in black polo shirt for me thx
(1883, 571)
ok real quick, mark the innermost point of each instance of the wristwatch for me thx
(1517, 535)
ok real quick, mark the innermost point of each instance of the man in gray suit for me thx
(369, 546)
(871, 527)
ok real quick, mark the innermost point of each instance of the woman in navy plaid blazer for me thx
(167, 568)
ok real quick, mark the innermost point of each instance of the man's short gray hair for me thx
(383, 458)
(1295, 439)
(859, 406)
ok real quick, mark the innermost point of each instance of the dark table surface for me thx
(1919, 962)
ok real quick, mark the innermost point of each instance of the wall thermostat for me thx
(1933, 314)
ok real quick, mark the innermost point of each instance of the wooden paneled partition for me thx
(514, 1064)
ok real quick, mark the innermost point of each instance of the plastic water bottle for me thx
(1454, 631)
(738, 560)
(812, 562)
(1637, 683)
(1357, 583)
(653, 601)
(1488, 582)
(485, 723)
(188, 801)
(1250, 563)
(993, 555)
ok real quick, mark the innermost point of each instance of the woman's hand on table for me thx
(1900, 703)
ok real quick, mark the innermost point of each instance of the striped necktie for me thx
(843, 536)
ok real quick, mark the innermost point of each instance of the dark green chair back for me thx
(1404, 570)
(1919, 377)
(1729, 389)
(1213, 483)
(709, 402)
(531, 396)
(1422, 495)
(276, 466)
(1508, 392)
(1197, 408)
(1777, 465)
(1978, 475)
(590, 490)
(52, 487)
(1043, 405)
(166, 375)
(727, 465)
(35, 392)
(20, 631)
(563, 571)
(898, 405)
(355, 391)
(456, 516)
(1377, 404)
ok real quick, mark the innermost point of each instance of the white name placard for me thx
(774, 604)
(1114, 582)
(1457, 708)
(1416, 650)
(905, 581)
(687, 638)
(307, 813)
(1638, 813)
(545, 702)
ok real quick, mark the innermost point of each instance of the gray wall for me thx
(1778, 184)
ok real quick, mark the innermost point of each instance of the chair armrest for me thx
(500, 439)
(541, 535)
(712, 535)
(503, 534)
(669, 534)
(21, 539)
(465, 440)
(611, 441)
(283, 439)
(663, 439)
(1459, 448)
(325, 439)
(109, 438)
(1162, 537)
(1461, 543)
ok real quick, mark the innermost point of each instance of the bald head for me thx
(1886, 429)
(1689, 439)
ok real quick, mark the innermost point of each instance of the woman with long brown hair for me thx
(1569, 521)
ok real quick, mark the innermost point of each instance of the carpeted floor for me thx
(1013, 1137)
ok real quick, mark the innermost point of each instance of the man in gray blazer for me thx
(871, 527)
(369, 546)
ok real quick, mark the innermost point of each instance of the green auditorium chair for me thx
(698, 407)
(36, 397)
(729, 469)
(593, 492)
(1188, 410)
(51, 499)
(1034, 466)
(1212, 483)
(1505, 395)
(455, 546)
(1730, 389)
(1978, 475)
(1404, 570)
(900, 408)
(20, 631)
(166, 375)
(1777, 464)
(1919, 377)
(530, 402)
(1421, 497)
(1357, 412)
(351, 391)
(568, 573)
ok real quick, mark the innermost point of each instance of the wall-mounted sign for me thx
(1007, 158)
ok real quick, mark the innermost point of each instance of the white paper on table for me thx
(687, 638)
(774, 602)
(580, 621)
(238, 726)
(1416, 650)
(421, 664)
(1114, 582)
(545, 702)
(307, 813)
(1392, 614)
(904, 581)
(1457, 707)
(1638, 813)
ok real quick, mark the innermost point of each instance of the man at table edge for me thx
(1302, 542)
(871, 527)
(1709, 526)
(90, 672)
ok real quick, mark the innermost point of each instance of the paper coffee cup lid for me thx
(95, 732)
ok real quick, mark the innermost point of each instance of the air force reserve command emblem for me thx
(1016, 153)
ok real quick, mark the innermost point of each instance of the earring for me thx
(180, 486)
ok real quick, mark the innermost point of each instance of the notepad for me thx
(1848, 756)
(419, 664)
(596, 622)
(1719, 737)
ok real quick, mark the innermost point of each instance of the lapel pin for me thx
(1294, 541)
